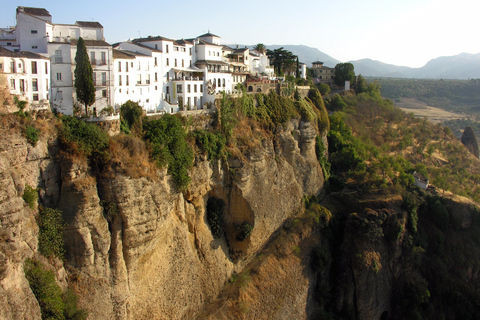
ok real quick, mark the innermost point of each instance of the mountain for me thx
(307, 54)
(461, 66)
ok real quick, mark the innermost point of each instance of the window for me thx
(131, 64)
(188, 88)
(34, 47)
(104, 78)
(46, 68)
(223, 84)
(104, 93)
(126, 66)
(58, 56)
(218, 54)
(190, 63)
(139, 65)
(194, 88)
(33, 31)
(155, 60)
(219, 82)
(168, 76)
(46, 84)
(156, 88)
(156, 46)
(166, 48)
(168, 90)
(34, 85)
(119, 66)
(119, 80)
(126, 80)
(22, 85)
(59, 95)
(201, 88)
(147, 100)
(179, 88)
(13, 67)
(156, 77)
(35, 97)
(59, 76)
(183, 63)
(175, 48)
(175, 62)
(190, 50)
(34, 67)
(147, 81)
(92, 58)
(139, 79)
(209, 53)
(12, 83)
(167, 62)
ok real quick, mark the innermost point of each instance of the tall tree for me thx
(360, 84)
(84, 76)
(260, 47)
(282, 60)
(344, 72)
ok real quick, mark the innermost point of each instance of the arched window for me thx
(250, 89)
(219, 82)
(223, 82)
(259, 89)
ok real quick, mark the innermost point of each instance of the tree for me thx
(360, 84)
(260, 47)
(282, 60)
(344, 72)
(84, 76)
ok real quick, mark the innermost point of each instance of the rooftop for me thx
(151, 38)
(91, 43)
(89, 24)
(34, 11)
(208, 35)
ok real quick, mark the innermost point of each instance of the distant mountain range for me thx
(461, 66)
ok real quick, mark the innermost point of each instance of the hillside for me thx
(461, 66)
(267, 208)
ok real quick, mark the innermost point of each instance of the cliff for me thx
(136, 248)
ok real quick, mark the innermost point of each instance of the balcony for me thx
(187, 79)
(98, 62)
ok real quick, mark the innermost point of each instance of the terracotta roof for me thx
(147, 47)
(91, 43)
(201, 41)
(89, 24)
(7, 53)
(22, 54)
(208, 35)
(121, 54)
(182, 42)
(32, 55)
(34, 11)
(227, 48)
(151, 38)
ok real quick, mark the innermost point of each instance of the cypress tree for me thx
(84, 76)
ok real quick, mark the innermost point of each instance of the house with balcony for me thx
(63, 92)
(26, 75)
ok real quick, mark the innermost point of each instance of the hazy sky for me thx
(401, 32)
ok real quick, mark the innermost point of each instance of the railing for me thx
(187, 79)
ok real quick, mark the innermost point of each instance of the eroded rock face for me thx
(153, 255)
(470, 141)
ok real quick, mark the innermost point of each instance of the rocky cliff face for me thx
(470, 141)
(137, 248)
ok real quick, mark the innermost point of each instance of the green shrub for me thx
(79, 136)
(131, 113)
(322, 159)
(213, 143)
(50, 236)
(215, 208)
(167, 138)
(244, 231)
(54, 304)
(48, 293)
(31, 133)
(30, 196)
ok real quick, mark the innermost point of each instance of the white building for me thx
(62, 57)
(26, 75)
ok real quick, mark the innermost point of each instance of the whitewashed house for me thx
(63, 93)
(27, 75)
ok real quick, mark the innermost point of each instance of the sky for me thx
(401, 32)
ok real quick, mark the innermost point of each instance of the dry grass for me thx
(247, 136)
(129, 156)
